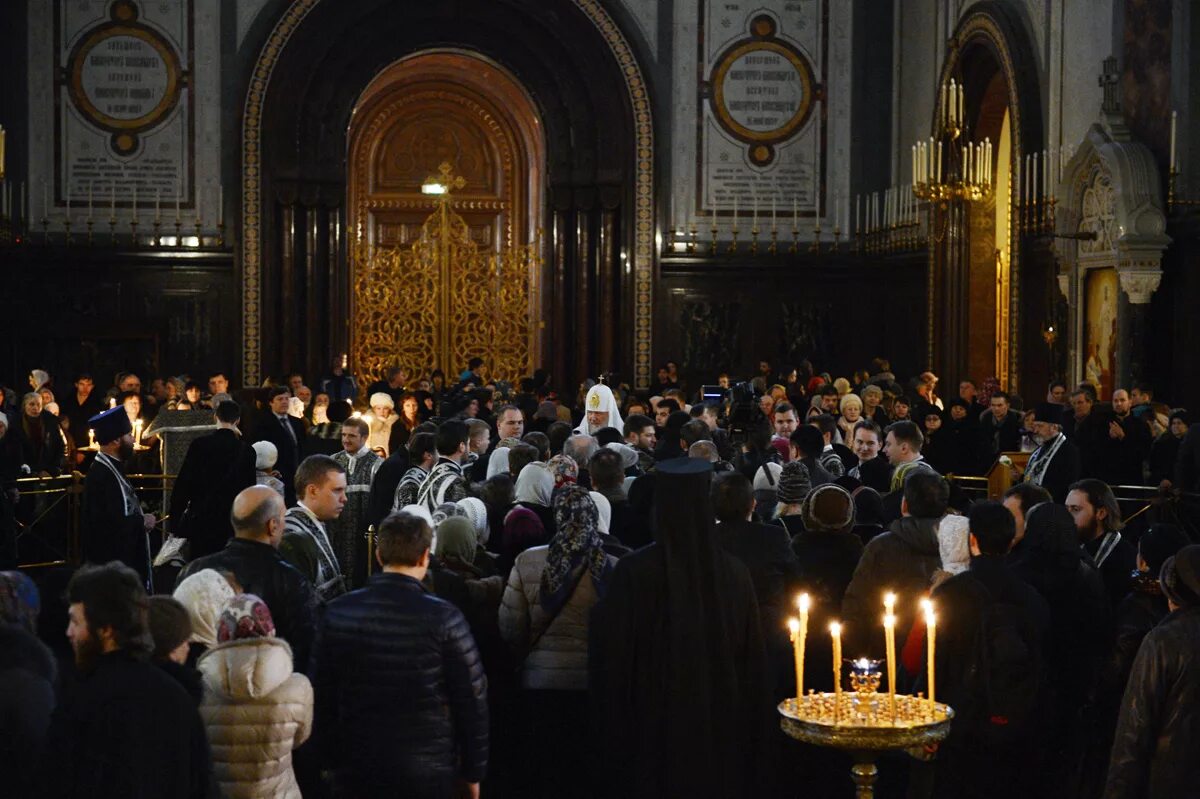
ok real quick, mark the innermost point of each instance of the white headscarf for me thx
(205, 595)
(296, 408)
(954, 546)
(600, 398)
(498, 462)
(423, 512)
(603, 511)
(266, 455)
(535, 484)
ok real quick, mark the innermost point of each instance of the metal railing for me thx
(49, 512)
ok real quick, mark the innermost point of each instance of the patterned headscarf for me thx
(246, 616)
(19, 600)
(564, 469)
(574, 550)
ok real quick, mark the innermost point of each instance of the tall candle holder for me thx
(67, 227)
(816, 242)
(754, 240)
(221, 233)
(712, 242)
(89, 223)
(773, 247)
(733, 243)
(691, 245)
(795, 248)
(199, 240)
(178, 230)
(156, 238)
(112, 230)
(133, 226)
(837, 234)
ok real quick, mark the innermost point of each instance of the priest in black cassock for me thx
(114, 527)
(677, 661)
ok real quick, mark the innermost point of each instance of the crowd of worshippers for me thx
(506, 589)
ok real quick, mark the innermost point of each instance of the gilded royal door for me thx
(436, 282)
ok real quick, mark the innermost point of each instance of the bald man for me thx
(253, 558)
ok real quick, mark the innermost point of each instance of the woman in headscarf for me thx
(850, 410)
(27, 681)
(523, 529)
(42, 447)
(544, 616)
(458, 579)
(1052, 561)
(564, 469)
(257, 711)
(205, 595)
(677, 658)
(383, 418)
(535, 490)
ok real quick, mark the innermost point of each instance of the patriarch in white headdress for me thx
(601, 410)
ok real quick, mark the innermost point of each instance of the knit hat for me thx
(169, 624)
(204, 594)
(795, 483)
(1180, 576)
(954, 543)
(265, 455)
(476, 511)
(1160, 542)
(382, 398)
(828, 508)
(246, 616)
(767, 477)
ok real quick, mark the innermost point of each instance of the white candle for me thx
(157, 210)
(1174, 117)
(220, 203)
(112, 199)
(914, 164)
(45, 201)
(961, 107)
(89, 201)
(945, 106)
(836, 206)
(754, 219)
(939, 163)
(773, 227)
(795, 216)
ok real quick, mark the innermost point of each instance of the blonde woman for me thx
(850, 410)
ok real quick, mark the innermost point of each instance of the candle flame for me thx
(889, 601)
(804, 602)
(927, 607)
(835, 628)
(889, 620)
(794, 626)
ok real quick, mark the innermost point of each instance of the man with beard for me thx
(127, 728)
(1054, 465)
(1128, 444)
(602, 410)
(1098, 522)
(115, 527)
(643, 437)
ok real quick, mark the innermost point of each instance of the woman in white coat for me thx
(255, 709)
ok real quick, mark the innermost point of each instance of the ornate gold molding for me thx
(643, 253)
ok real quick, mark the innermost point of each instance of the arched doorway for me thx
(991, 295)
(458, 108)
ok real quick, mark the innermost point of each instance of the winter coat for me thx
(257, 711)
(1158, 732)
(559, 658)
(27, 678)
(398, 681)
(126, 730)
(903, 561)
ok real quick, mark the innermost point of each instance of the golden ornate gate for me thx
(444, 299)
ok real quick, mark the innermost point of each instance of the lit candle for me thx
(889, 629)
(931, 635)
(112, 200)
(1174, 116)
(801, 640)
(835, 630)
(91, 438)
(773, 226)
(89, 201)
(137, 431)
(157, 210)
(797, 655)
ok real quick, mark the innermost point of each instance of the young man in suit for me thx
(287, 434)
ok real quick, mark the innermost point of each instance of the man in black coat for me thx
(401, 697)
(1127, 446)
(287, 434)
(80, 405)
(1054, 465)
(127, 728)
(989, 600)
(1098, 523)
(1155, 749)
(765, 550)
(114, 527)
(254, 560)
(217, 466)
(999, 431)
(1187, 463)
(1087, 429)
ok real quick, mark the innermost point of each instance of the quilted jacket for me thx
(256, 711)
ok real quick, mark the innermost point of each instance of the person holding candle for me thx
(989, 656)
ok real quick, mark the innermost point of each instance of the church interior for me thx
(991, 189)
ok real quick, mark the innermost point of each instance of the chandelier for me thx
(949, 166)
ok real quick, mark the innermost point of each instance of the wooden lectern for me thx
(1001, 476)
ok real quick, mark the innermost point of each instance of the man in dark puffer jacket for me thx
(401, 697)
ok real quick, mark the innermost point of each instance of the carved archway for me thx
(428, 109)
(1112, 227)
(983, 54)
(601, 220)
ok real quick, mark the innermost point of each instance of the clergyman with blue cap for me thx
(114, 526)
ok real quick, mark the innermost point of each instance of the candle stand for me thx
(862, 722)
